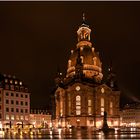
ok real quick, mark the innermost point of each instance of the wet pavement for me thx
(70, 134)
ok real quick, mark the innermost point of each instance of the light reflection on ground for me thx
(69, 134)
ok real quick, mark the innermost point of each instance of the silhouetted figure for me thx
(105, 127)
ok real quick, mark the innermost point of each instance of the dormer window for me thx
(6, 80)
(20, 83)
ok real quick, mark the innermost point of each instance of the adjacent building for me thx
(40, 118)
(130, 115)
(14, 102)
(81, 96)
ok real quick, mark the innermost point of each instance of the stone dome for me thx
(90, 60)
(91, 64)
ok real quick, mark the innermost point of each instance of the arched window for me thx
(78, 105)
(102, 106)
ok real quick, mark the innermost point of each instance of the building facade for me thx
(40, 118)
(14, 102)
(130, 115)
(81, 96)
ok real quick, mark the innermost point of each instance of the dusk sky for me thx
(36, 38)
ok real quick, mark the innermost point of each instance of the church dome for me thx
(91, 64)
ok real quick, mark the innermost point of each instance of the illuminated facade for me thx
(81, 96)
(14, 102)
(130, 115)
(40, 118)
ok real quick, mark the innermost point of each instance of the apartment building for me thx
(14, 102)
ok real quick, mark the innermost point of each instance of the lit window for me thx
(69, 104)
(89, 107)
(16, 82)
(111, 108)
(26, 118)
(102, 102)
(6, 80)
(102, 106)
(7, 117)
(17, 117)
(20, 83)
(12, 117)
(11, 81)
(78, 105)
(21, 117)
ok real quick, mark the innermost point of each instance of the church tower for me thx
(82, 97)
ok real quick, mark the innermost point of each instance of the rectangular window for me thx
(89, 102)
(0, 99)
(89, 110)
(17, 110)
(17, 117)
(7, 109)
(7, 117)
(0, 116)
(16, 94)
(6, 86)
(26, 103)
(26, 110)
(17, 102)
(26, 118)
(7, 94)
(7, 101)
(21, 103)
(21, 110)
(12, 109)
(21, 117)
(0, 107)
(21, 95)
(26, 96)
(12, 102)
(12, 94)
(12, 117)
(12, 87)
